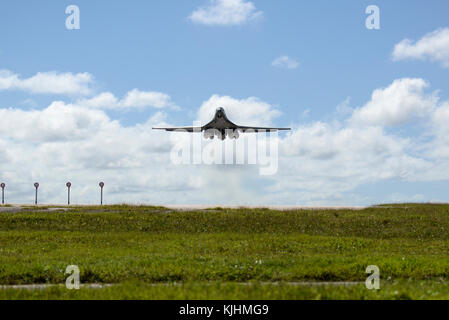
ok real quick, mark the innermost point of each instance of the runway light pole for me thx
(36, 185)
(101, 184)
(2, 185)
(68, 184)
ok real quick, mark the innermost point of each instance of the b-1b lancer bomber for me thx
(221, 127)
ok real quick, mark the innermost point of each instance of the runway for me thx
(54, 207)
(58, 207)
(270, 207)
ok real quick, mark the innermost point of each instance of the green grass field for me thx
(157, 253)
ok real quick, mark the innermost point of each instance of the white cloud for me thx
(105, 100)
(343, 107)
(248, 112)
(8, 80)
(327, 159)
(330, 160)
(320, 162)
(439, 148)
(58, 122)
(440, 119)
(136, 98)
(396, 104)
(67, 142)
(285, 62)
(72, 142)
(433, 46)
(226, 13)
(48, 82)
(133, 99)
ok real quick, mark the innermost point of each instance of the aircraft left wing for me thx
(187, 129)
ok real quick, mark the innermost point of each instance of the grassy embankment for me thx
(153, 252)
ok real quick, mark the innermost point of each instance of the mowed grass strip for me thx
(118, 244)
(406, 221)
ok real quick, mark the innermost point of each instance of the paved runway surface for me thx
(279, 208)
(42, 286)
(19, 207)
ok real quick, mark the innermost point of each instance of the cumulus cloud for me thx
(249, 112)
(226, 13)
(285, 62)
(57, 122)
(48, 82)
(65, 142)
(396, 104)
(433, 46)
(319, 162)
(328, 159)
(439, 148)
(133, 99)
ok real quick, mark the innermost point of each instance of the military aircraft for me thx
(221, 127)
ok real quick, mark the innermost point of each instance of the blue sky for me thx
(154, 46)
